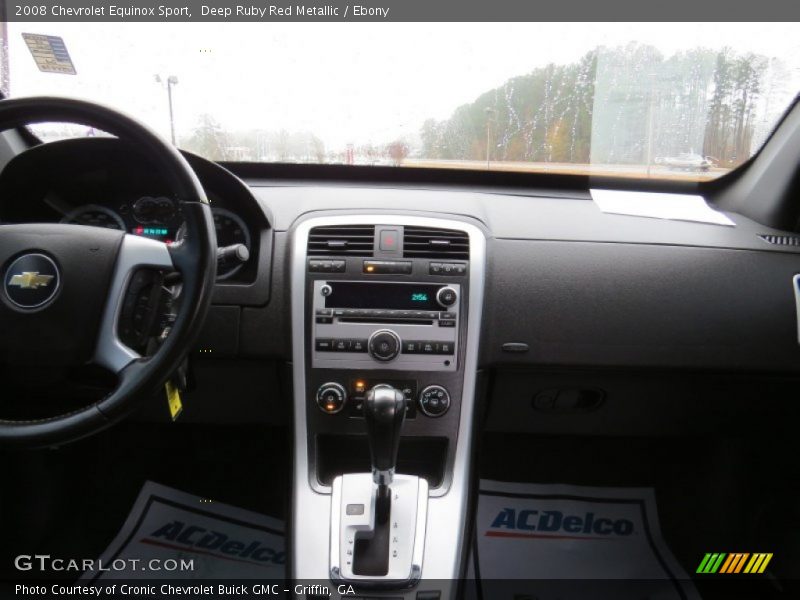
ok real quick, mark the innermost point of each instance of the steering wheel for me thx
(64, 285)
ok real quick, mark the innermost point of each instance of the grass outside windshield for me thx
(665, 100)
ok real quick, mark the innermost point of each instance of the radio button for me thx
(428, 347)
(411, 347)
(447, 315)
(358, 345)
(444, 348)
(323, 345)
(384, 345)
(319, 266)
(341, 345)
(447, 323)
(386, 267)
(446, 296)
(325, 320)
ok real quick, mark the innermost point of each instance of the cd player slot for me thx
(385, 320)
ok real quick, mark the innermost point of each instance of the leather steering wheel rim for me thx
(194, 257)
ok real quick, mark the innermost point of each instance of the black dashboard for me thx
(584, 287)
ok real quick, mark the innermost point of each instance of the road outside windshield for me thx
(666, 101)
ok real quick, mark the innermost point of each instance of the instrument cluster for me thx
(160, 218)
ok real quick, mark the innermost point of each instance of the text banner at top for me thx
(401, 10)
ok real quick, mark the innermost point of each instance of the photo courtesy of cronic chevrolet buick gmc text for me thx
(399, 310)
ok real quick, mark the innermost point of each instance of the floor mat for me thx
(531, 539)
(169, 534)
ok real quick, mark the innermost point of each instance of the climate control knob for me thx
(434, 400)
(384, 345)
(331, 397)
(446, 296)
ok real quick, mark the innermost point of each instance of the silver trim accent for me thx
(796, 286)
(444, 537)
(401, 574)
(134, 252)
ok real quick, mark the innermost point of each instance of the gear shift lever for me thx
(384, 413)
(377, 531)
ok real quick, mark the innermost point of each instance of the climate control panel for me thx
(348, 397)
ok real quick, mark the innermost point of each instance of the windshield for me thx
(665, 100)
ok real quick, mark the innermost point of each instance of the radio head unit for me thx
(385, 325)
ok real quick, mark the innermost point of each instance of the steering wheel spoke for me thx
(64, 287)
(135, 253)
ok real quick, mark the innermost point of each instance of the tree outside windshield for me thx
(667, 101)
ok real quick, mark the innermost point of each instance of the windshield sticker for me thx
(50, 53)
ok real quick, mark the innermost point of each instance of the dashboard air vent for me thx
(341, 240)
(781, 240)
(428, 242)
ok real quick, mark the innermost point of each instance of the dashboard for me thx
(686, 287)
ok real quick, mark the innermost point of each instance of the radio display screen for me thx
(400, 296)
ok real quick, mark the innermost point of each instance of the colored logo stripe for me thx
(735, 562)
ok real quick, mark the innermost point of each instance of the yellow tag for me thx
(173, 400)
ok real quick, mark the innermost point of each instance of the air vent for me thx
(425, 242)
(341, 240)
(781, 240)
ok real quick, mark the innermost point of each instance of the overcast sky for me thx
(346, 82)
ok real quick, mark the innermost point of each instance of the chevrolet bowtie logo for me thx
(30, 280)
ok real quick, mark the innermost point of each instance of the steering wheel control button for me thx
(384, 345)
(31, 281)
(434, 401)
(446, 296)
(331, 397)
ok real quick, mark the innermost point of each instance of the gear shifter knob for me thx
(384, 412)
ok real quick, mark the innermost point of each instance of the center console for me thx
(385, 318)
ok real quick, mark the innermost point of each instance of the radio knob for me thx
(384, 345)
(331, 397)
(434, 400)
(446, 296)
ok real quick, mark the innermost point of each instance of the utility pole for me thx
(5, 79)
(171, 80)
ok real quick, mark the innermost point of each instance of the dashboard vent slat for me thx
(781, 240)
(428, 242)
(341, 240)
